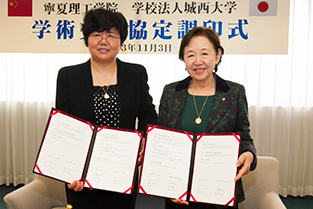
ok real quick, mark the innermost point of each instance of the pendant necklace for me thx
(198, 119)
(106, 95)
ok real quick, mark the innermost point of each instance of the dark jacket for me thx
(229, 113)
(75, 94)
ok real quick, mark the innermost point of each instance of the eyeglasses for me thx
(98, 37)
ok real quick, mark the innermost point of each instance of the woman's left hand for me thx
(76, 185)
(179, 201)
(245, 160)
(141, 150)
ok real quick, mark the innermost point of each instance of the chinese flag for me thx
(263, 8)
(20, 8)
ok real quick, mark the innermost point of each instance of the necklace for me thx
(106, 95)
(198, 119)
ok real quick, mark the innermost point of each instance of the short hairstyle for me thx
(101, 20)
(205, 32)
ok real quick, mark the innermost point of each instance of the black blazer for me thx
(75, 94)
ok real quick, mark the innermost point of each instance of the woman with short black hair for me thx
(105, 91)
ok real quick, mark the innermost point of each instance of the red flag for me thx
(20, 8)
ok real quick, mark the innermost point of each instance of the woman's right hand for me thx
(76, 185)
(179, 201)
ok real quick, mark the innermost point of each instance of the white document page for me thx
(64, 148)
(166, 164)
(215, 169)
(113, 161)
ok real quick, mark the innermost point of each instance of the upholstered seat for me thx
(260, 186)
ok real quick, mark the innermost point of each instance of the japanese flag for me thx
(263, 8)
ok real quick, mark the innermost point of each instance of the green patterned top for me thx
(189, 114)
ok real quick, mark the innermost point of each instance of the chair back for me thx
(258, 183)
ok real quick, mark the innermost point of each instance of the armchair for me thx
(261, 186)
(42, 193)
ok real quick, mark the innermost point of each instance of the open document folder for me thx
(193, 167)
(103, 157)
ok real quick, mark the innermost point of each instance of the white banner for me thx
(244, 26)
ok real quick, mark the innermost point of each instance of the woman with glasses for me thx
(105, 91)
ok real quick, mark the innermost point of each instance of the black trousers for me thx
(99, 199)
(170, 205)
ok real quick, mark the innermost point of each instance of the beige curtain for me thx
(278, 87)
